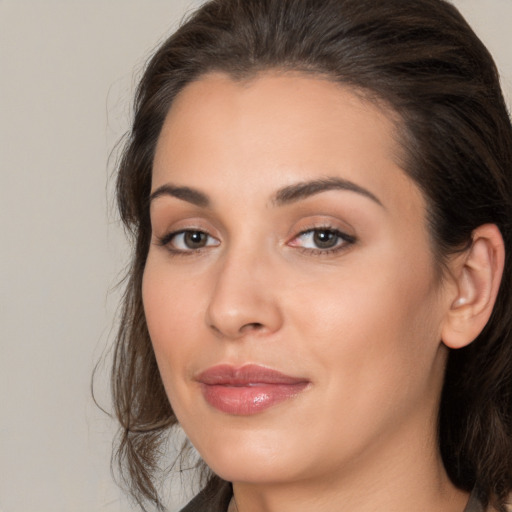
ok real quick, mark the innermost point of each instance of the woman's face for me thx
(290, 291)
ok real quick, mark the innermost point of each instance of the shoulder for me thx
(207, 501)
(195, 505)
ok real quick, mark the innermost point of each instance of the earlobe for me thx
(477, 279)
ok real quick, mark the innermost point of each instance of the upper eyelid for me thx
(175, 232)
(322, 220)
(180, 226)
(175, 221)
(322, 228)
(325, 226)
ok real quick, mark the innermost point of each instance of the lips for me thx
(247, 390)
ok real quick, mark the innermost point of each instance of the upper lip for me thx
(227, 375)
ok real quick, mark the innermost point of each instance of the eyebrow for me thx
(298, 191)
(191, 195)
(284, 196)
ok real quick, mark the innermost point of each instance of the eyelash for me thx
(166, 240)
(346, 240)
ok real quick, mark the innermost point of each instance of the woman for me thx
(320, 197)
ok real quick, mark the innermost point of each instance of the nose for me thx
(244, 301)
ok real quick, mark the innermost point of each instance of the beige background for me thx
(67, 72)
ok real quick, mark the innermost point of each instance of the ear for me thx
(477, 276)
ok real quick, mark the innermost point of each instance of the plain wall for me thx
(67, 74)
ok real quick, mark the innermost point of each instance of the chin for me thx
(251, 469)
(256, 456)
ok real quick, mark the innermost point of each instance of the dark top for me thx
(206, 501)
(219, 502)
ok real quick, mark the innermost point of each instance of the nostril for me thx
(215, 329)
(253, 326)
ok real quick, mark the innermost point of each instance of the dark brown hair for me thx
(420, 58)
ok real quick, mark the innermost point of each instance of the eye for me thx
(322, 240)
(188, 240)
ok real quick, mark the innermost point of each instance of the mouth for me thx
(247, 390)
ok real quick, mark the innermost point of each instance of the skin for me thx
(363, 324)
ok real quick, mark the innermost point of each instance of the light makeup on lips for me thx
(249, 389)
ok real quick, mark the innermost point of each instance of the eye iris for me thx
(195, 239)
(325, 239)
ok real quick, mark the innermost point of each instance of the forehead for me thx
(291, 105)
(274, 129)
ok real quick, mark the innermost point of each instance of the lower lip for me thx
(248, 400)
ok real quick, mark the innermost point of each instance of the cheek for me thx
(375, 333)
(173, 313)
